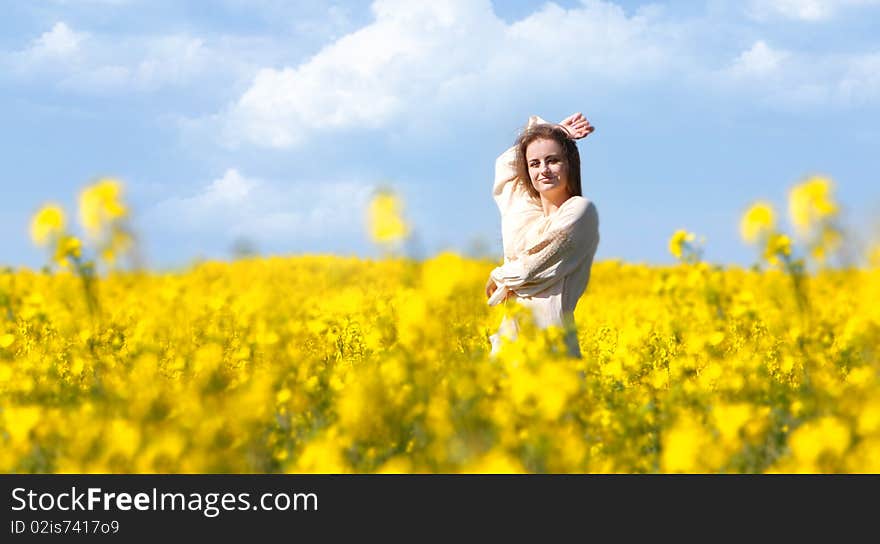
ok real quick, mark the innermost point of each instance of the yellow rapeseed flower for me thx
(777, 245)
(678, 240)
(825, 435)
(811, 201)
(68, 246)
(101, 203)
(20, 420)
(730, 418)
(682, 445)
(385, 218)
(47, 223)
(122, 437)
(826, 242)
(758, 221)
(494, 462)
(384, 366)
(118, 243)
(441, 274)
(869, 418)
(321, 455)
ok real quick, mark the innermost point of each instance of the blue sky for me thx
(274, 121)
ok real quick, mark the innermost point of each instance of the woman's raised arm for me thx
(577, 126)
(504, 188)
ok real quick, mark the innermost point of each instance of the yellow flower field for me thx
(332, 364)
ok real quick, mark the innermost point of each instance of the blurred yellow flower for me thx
(777, 245)
(682, 446)
(869, 418)
(811, 201)
(101, 203)
(494, 462)
(758, 221)
(122, 437)
(321, 455)
(118, 243)
(20, 420)
(68, 246)
(385, 218)
(827, 241)
(442, 274)
(678, 240)
(47, 223)
(384, 366)
(826, 435)
(730, 418)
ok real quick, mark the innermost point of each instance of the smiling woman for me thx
(550, 232)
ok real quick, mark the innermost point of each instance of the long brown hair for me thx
(569, 150)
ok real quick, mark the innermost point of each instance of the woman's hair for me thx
(569, 149)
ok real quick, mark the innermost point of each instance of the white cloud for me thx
(420, 63)
(860, 81)
(60, 42)
(229, 190)
(362, 80)
(760, 61)
(147, 65)
(417, 58)
(802, 10)
(98, 63)
(286, 213)
(789, 80)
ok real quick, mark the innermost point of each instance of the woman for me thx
(550, 232)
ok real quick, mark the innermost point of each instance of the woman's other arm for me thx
(573, 238)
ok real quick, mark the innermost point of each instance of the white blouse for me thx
(547, 259)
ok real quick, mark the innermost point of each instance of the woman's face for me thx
(548, 169)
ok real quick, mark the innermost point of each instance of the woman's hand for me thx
(577, 126)
(491, 287)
